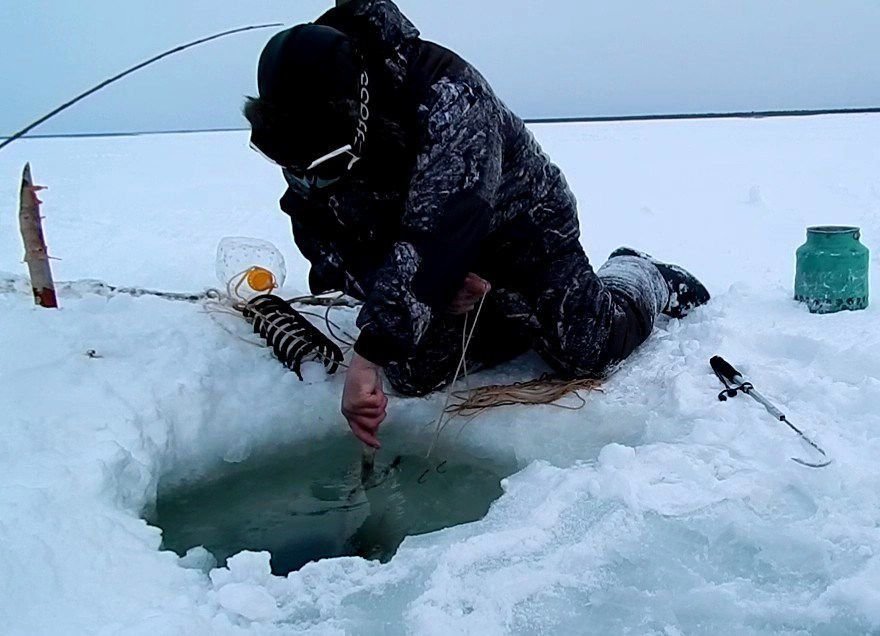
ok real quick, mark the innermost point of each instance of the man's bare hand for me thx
(472, 290)
(363, 400)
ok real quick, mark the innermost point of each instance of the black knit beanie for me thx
(306, 75)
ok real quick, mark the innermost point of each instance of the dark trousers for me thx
(580, 321)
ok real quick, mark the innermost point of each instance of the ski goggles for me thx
(322, 172)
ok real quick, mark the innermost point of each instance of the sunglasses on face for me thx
(322, 172)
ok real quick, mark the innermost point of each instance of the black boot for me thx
(685, 291)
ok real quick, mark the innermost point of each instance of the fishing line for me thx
(462, 363)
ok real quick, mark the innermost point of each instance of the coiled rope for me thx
(473, 402)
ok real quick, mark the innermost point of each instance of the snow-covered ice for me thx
(654, 509)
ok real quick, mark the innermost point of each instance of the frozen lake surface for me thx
(655, 509)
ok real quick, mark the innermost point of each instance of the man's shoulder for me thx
(432, 67)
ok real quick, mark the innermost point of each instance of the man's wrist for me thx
(361, 362)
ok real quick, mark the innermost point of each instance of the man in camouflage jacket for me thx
(415, 189)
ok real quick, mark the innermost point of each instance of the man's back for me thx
(426, 88)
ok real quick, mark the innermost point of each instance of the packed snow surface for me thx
(653, 509)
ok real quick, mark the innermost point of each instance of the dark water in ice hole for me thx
(308, 503)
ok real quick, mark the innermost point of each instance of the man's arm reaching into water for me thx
(364, 401)
(445, 221)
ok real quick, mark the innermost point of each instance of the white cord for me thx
(462, 363)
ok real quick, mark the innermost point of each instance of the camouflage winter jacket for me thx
(451, 181)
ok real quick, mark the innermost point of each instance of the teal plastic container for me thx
(832, 270)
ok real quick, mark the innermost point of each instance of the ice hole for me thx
(312, 502)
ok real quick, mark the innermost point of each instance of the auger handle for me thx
(724, 370)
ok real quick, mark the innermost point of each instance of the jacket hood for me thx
(380, 20)
(375, 25)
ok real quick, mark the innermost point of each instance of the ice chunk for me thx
(616, 456)
(198, 558)
(250, 601)
(313, 372)
(249, 566)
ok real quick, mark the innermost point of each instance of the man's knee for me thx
(577, 359)
(590, 338)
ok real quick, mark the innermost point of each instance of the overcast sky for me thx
(546, 59)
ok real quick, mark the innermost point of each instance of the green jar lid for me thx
(834, 231)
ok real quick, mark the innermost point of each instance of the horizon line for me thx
(757, 114)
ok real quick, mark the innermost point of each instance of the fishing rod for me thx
(129, 71)
(735, 383)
